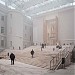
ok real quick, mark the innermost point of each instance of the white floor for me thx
(25, 69)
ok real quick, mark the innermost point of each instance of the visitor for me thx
(32, 53)
(12, 57)
(19, 48)
(63, 63)
(42, 45)
(8, 54)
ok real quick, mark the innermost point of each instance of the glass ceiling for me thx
(35, 7)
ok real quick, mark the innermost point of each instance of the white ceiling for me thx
(34, 7)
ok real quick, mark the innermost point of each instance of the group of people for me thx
(43, 45)
(12, 56)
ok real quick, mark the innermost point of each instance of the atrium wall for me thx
(74, 25)
(3, 27)
(65, 25)
(19, 30)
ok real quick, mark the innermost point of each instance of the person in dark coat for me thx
(73, 55)
(42, 45)
(63, 63)
(32, 53)
(19, 48)
(8, 54)
(12, 57)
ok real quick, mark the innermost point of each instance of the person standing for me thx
(19, 48)
(8, 53)
(12, 57)
(63, 63)
(32, 53)
(73, 55)
(42, 45)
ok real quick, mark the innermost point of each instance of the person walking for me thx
(12, 57)
(32, 53)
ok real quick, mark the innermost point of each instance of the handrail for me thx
(61, 61)
(57, 59)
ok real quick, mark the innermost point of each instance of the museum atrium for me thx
(41, 36)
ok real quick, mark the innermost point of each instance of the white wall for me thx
(28, 32)
(14, 27)
(65, 25)
(19, 30)
(14, 30)
(38, 30)
(3, 12)
(74, 24)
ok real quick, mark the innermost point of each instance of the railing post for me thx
(56, 59)
(60, 54)
(50, 65)
(53, 63)
(70, 56)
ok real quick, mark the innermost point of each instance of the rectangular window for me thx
(2, 29)
(2, 43)
(30, 38)
(25, 27)
(10, 43)
(11, 15)
(2, 18)
(25, 35)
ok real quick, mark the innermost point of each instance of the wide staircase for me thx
(47, 58)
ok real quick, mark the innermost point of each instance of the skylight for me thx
(73, 3)
(2, 2)
(70, 4)
(29, 17)
(24, 0)
(11, 7)
(38, 5)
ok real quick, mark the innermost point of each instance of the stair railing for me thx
(58, 58)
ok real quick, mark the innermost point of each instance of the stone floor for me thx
(19, 69)
(24, 69)
(41, 58)
(24, 62)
